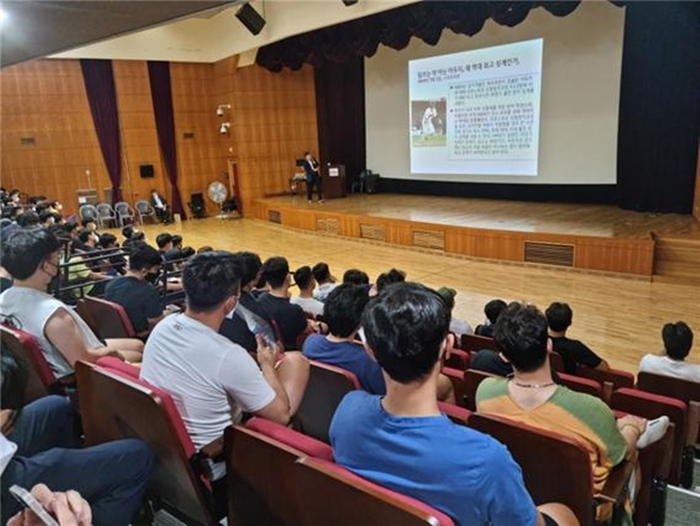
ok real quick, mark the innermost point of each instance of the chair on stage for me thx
(197, 206)
(106, 215)
(88, 213)
(331, 494)
(124, 212)
(144, 210)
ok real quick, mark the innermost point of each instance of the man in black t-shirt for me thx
(574, 352)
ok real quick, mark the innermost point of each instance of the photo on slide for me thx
(428, 123)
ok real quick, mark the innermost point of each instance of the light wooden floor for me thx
(619, 318)
(553, 218)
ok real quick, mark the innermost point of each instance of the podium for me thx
(334, 181)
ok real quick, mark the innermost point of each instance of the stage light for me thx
(348, 3)
(250, 18)
(224, 128)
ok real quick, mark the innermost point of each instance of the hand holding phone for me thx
(46, 508)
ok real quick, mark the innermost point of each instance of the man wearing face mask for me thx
(134, 292)
(32, 259)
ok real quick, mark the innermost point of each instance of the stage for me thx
(585, 237)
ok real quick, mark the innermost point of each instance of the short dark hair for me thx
(356, 277)
(25, 250)
(303, 277)
(187, 252)
(107, 239)
(343, 309)
(275, 271)
(521, 335)
(493, 310)
(405, 327)
(321, 272)
(128, 231)
(85, 222)
(143, 256)
(678, 339)
(44, 215)
(177, 239)
(205, 248)
(387, 278)
(84, 235)
(250, 264)
(28, 219)
(163, 239)
(559, 316)
(209, 279)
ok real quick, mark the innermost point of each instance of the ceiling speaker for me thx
(250, 18)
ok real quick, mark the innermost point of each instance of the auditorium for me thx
(349, 262)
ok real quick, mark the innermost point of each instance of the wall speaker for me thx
(250, 18)
(147, 171)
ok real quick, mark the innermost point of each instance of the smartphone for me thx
(28, 501)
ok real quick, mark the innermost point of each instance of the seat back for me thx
(582, 385)
(616, 377)
(555, 468)
(143, 207)
(458, 359)
(457, 414)
(456, 376)
(556, 361)
(124, 209)
(88, 212)
(668, 386)
(114, 406)
(472, 379)
(472, 342)
(333, 495)
(105, 210)
(25, 350)
(110, 318)
(261, 478)
(326, 388)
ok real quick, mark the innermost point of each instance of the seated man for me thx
(160, 205)
(290, 319)
(304, 279)
(39, 446)
(211, 379)
(678, 340)
(403, 442)
(140, 299)
(492, 310)
(574, 352)
(64, 338)
(533, 398)
(325, 281)
(457, 327)
(387, 278)
(116, 259)
(355, 276)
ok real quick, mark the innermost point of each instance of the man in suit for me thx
(313, 177)
(160, 205)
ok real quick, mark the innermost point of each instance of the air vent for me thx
(188, 135)
(275, 216)
(549, 253)
(375, 232)
(327, 226)
(27, 140)
(429, 239)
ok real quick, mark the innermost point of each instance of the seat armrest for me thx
(213, 450)
(693, 423)
(618, 479)
(64, 384)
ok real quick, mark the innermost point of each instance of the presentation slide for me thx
(477, 112)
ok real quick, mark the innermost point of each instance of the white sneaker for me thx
(655, 430)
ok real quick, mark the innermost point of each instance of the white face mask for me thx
(15, 198)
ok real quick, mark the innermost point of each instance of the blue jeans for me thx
(112, 477)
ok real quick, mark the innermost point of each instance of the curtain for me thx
(162, 97)
(102, 97)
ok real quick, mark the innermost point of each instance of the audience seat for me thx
(456, 376)
(110, 318)
(582, 385)
(458, 360)
(333, 495)
(42, 380)
(555, 468)
(120, 366)
(472, 379)
(556, 361)
(262, 486)
(114, 405)
(611, 380)
(83, 310)
(474, 343)
(326, 388)
(457, 414)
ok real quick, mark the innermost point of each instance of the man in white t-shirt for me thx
(325, 280)
(211, 379)
(306, 282)
(32, 258)
(678, 340)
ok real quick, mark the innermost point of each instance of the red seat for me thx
(582, 385)
(110, 318)
(333, 495)
(472, 342)
(556, 361)
(457, 414)
(262, 486)
(114, 405)
(326, 388)
(458, 360)
(611, 379)
(472, 379)
(456, 376)
(117, 365)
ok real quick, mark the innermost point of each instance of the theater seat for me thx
(114, 405)
(456, 376)
(582, 385)
(326, 388)
(458, 415)
(262, 486)
(474, 343)
(115, 364)
(458, 360)
(611, 380)
(332, 495)
(472, 379)
(110, 318)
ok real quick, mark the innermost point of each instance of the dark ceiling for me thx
(36, 28)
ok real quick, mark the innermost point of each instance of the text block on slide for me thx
(477, 112)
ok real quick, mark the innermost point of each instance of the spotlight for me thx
(220, 109)
(250, 18)
(224, 128)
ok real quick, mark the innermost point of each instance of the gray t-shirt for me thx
(29, 310)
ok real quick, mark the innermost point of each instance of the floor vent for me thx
(549, 253)
(375, 232)
(429, 239)
(327, 226)
(275, 216)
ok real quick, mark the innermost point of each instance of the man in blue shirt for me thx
(403, 442)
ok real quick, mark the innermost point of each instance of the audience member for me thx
(140, 299)
(289, 318)
(56, 504)
(89, 223)
(403, 442)
(533, 397)
(574, 352)
(205, 248)
(212, 380)
(492, 310)
(388, 278)
(355, 277)
(457, 327)
(678, 340)
(304, 279)
(160, 205)
(164, 242)
(32, 258)
(116, 259)
(38, 445)
(324, 280)
(47, 218)
(29, 220)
